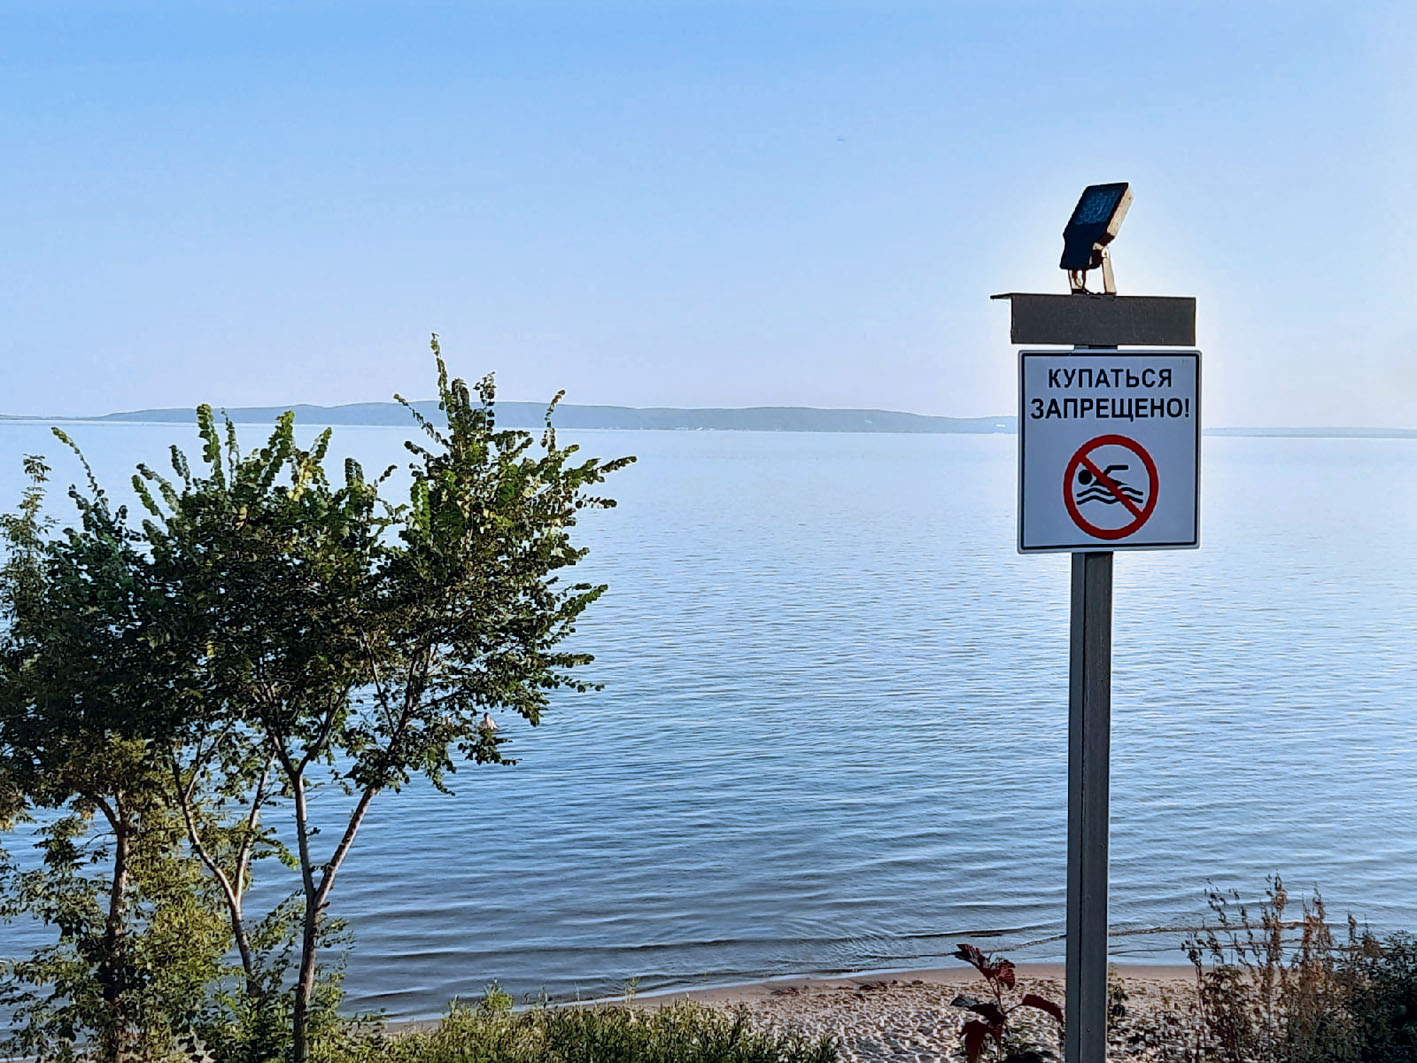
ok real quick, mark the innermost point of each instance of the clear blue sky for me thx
(685, 203)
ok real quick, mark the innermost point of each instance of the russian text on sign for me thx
(1117, 409)
(1115, 377)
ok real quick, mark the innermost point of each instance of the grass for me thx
(489, 1032)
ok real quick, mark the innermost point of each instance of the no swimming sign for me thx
(1109, 450)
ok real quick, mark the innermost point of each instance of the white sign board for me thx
(1109, 450)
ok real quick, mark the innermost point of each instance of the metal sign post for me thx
(1109, 459)
(1089, 753)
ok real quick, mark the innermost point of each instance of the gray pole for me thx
(1089, 734)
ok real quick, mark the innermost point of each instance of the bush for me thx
(1267, 994)
(1384, 1003)
(1277, 990)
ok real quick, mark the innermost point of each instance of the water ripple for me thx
(833, 729)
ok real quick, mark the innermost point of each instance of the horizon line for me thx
(129, 416)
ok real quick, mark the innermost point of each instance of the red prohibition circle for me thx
(1139, 517)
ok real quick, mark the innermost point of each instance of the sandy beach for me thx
(906, 1016)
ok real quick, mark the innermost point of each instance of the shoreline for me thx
(768, 988)
(780, 998)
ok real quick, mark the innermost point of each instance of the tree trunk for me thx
(310, 923)
(305, 983)
(112, 968)
(317, 896)
(315, 900)
(254, 989)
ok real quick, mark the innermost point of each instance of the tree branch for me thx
(231, 895)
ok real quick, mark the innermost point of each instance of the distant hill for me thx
(1317, 433)
(533, 415)
(682, 419)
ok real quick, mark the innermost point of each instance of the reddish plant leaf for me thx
(988, 1011)
(974, 1033)
(970, 954)
(1033, 1000)
(1001, 972)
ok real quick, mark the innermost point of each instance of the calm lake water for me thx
(833, 733)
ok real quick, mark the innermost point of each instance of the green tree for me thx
(261, 563)
(361, 644)
(137, 938)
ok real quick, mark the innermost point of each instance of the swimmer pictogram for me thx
(1110, 487)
